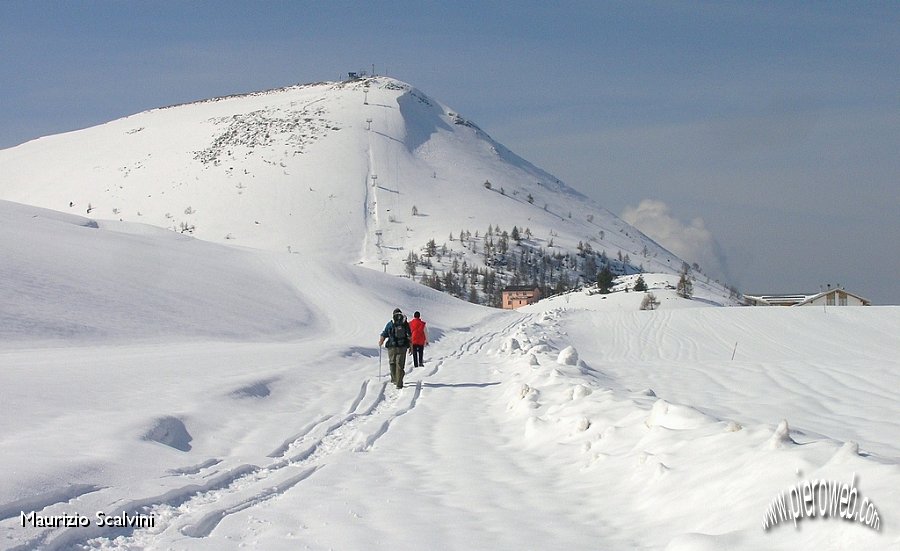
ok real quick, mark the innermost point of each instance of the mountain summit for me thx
(369, 171)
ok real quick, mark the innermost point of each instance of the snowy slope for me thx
(65, 276)
(316, 169)
(579, 423)
(117, 337)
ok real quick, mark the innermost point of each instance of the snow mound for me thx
(781, 437)
(568, 356)
(258, 389)
(706, 542)
(673, 416)
(170, 431)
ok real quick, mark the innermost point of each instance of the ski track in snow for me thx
(621, 430)
(196, 509)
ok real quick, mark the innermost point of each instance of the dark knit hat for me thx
(397, 311)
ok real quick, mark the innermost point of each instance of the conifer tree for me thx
(605, 280)
(589, 271)
(473, 294)
(435, 281)
(430, 248)
(640, 284)
(685, 288)
(411, 261)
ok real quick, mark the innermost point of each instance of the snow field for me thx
(505, 437)
(670, 465)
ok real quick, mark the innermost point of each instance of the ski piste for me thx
(201, 496)
(513, 389)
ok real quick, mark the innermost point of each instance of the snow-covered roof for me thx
(513, 288)
(834, 290)
(797, 299)
(778, 300)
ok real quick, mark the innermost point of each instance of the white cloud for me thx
(692, 242)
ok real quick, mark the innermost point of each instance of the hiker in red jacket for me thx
(419, 339)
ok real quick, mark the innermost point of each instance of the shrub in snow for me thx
(650, 302)
(733, 427)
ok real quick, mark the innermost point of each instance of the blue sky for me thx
(762, 136)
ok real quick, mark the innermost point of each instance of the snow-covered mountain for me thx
(376, 166)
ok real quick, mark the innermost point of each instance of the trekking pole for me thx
(379, 362)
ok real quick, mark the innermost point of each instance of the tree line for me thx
(477, 266)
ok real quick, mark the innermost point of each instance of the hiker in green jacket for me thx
(397, 334)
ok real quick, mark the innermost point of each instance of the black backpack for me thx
(400, 333)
